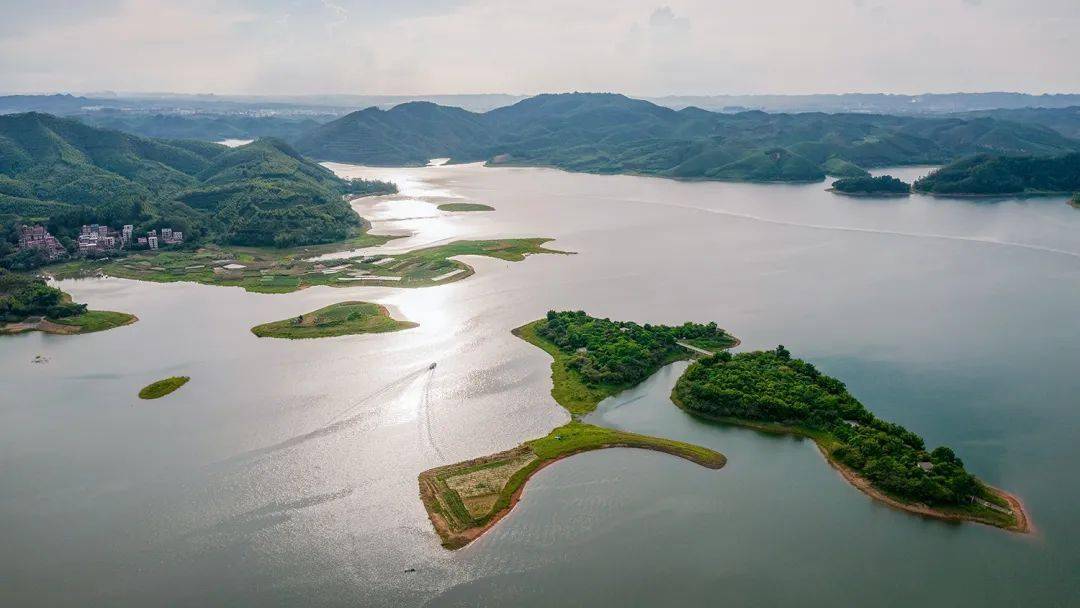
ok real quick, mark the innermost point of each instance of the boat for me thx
(432, 366)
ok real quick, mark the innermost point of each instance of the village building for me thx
(37, 237)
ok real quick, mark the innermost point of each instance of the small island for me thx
(1075, 201)
(593, 359)
(465, 207)
(341, 319)
(162, 387)
(773, 392)
(28, 303)
(884, 185)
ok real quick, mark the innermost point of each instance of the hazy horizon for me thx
(642, 48)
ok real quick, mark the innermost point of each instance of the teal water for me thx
(285, 472)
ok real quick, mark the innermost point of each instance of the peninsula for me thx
(592, 359)
(341, 319)
(267, 270)
(1004, 175)
(28, 304)
(773, 392)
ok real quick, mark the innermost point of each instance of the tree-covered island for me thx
(884, 185)
(771, 391)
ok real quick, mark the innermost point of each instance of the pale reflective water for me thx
(284, 473)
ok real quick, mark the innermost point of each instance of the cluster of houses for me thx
(37, 237)
(96, 238)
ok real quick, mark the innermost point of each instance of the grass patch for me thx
(96, 320)
(163, 387)
(464, 207)
(342, 319)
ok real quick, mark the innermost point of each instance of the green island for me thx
(884, 185)
(593, 359)
(465, 207)
(773, 392)
(341, 319)
(161, 388)
(267, 270)
(27, 303)
(1002, 175)
(1075, 201)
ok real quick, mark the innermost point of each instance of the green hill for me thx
(67, 173)
(609, 133)
(988, 175)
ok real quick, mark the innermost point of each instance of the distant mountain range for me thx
(264, 193)
(610, 133)
(875, 103)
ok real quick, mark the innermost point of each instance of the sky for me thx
(646, 47)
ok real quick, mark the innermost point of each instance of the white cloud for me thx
(635, 46)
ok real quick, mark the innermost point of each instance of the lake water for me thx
(285, 472)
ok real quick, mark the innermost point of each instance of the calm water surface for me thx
(285, 472)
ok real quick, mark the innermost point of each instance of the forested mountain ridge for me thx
(67, 173)
(611, 133)
(990, 175)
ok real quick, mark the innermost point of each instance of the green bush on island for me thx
(884, 184)
(342, 319)
(163, 387)
(772, 387)
(464, 207)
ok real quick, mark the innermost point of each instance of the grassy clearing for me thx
(464, 207)
(465, 499)
(342, 319)
(265, 270)
(163, 387)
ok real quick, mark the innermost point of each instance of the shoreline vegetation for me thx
(465, 207)
(465, 499)
(159, 389)
(866, 186)
(265, 270)
(996, 176)
(341, 319)
(770, 392)
(29, 304)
